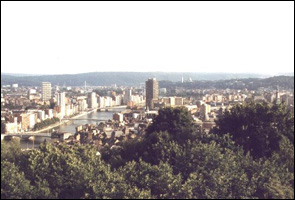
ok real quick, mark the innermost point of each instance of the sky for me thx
(77, 37)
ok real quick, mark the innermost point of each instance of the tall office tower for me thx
(61, 103)
(92, 100)
(152, 92)
(46, 91)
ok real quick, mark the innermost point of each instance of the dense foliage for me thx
(259, 128)
(171, 161)
(46, 123)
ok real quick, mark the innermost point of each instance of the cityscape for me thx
(139, 100)
(26, 109)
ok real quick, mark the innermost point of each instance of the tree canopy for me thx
(171, 161)
(258, 127)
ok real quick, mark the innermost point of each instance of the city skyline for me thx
(81, 37)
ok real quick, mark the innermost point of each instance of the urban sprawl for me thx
(35, 109)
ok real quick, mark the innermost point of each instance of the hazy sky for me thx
(76, 37)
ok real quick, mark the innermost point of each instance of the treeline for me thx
(250, 154)
(46, 123)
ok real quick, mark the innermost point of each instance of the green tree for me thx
(14, 185)
(159, 179)
(46, 123)
(171, 127)
(162, 164)
(258, 127)
(112, 185)
(271, 179)
(75, 172)
(11, 151)
(65, 169)
(285, 157)
(178, 122)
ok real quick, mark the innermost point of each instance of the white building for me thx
(108, 102)
(49, 114)
(101, 102)
(15, 85)
(118, 100)
(41, 115)
(32, 120)
(82, 103)
(61, 103)
(92, 100)
(12, 127)
(46, 91)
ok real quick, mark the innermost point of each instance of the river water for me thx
(71, 126)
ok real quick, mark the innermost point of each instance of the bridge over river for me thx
(25, 136)
(90, 119)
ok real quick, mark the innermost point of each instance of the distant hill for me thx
(119, 78)
(283, 82)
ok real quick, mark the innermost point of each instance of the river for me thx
(71, 126)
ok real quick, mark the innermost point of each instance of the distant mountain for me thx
(119, 78)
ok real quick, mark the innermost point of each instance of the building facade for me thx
(61, 103)
(92, 100)
(46, 91)
(152, 92)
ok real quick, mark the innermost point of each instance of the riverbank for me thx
(69, 127)
(63, 122)
(75, 117)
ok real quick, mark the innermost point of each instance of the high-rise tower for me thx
(152, 92)
(46, 91)
(61, 103)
